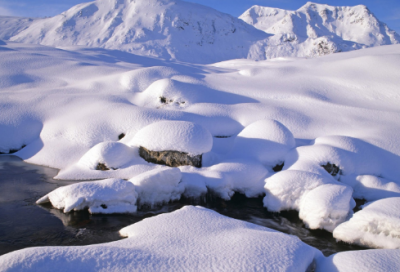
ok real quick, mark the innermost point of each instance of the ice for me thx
(179, 136)
(376, 225)
(158, 186)
(382, 260)
(104, 196)
(189, 239)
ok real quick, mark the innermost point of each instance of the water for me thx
(25, 224)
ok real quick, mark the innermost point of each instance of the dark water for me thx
(25, 224)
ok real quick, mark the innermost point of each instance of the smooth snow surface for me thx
(190, 239)
(375, 260)
(104, 196)
(376, 225)
(318, 29)
(180, 136)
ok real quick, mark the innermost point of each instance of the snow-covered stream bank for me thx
(25, 224)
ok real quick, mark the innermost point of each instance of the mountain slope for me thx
(317, 29)
(160, 28)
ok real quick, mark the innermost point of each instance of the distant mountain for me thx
(178, 30)
(317, 29)
(169, 29)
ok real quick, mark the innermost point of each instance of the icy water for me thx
(25, 224)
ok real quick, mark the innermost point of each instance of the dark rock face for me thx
(170, 158)
(278, 167)
(332, 169)
(102, 167)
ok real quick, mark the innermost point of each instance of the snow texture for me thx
(382, 260)
(189, 239)
(376, 225)
(180, 136)
(158, 186)
(103, 196)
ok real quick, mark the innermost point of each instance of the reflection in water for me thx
(25, 224)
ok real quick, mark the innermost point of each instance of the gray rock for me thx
(170, 158)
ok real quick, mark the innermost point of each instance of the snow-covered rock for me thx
(326, 206)
(190, 239)
(267, 141)
(165, 29)
(318, 29)
(180, 136)
(103, 196)
(112, 154)
(377, 260)
(376, 225)
(158, 186)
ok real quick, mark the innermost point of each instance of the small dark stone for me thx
(104, 206)
(163, 99)
(170, 158)
(332, 169)
(122, 135)
(222, 136)
(278, 167)
(102, 167)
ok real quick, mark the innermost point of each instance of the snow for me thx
(104, 196)
(189, 239)
(179, 136)
(382, 260)
(113, 154)
(376, 225)
(178, 30)
(318, 29)
(158, 186)
(267, 141)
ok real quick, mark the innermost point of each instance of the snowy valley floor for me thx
(67, 108)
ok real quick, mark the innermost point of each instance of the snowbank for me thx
(190, 239)
(158, 186)
(180, 136)
(103, 196)
(377, 260)
(376, 225)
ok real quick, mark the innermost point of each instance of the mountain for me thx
(165, 29)
(317, 29)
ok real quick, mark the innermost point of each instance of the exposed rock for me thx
(122, 135)
(170, 158)
(12, 151)
(332, 169)
(278, 167)
(102, 167)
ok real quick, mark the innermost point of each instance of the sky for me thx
(387, 11)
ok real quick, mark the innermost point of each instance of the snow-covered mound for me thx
(165, 29)
(267, 141)
(104, 196)
(318, 29)
(158, 186)
(180, 136)
(376, 225)
(190, 239)
(377, 260)
(112, 155)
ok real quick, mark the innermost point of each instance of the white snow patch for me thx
(189, 239)
(181, 136)
(158, 186)
(103, 196)
(376, 225)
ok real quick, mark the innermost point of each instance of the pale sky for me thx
(387, 11)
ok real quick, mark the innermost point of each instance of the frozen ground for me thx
(262, 127)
